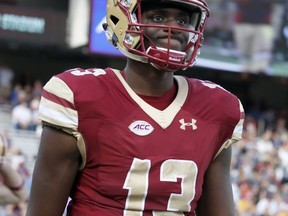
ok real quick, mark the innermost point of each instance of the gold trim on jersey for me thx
(56, 86)
(237, 133)
(64, 118)
(80, 141)
(57, 114)
(163, 117)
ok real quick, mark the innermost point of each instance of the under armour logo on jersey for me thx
(141, 128)
(191, 124)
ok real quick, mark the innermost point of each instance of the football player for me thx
(138, 141)
(12, 190)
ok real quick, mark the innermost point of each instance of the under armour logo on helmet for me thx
(191, 124)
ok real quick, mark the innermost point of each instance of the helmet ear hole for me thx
(114, 19)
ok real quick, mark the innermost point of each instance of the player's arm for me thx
(217, 197)
(12, 189)
(54, 173)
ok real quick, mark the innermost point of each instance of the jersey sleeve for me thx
(57, 105)
(237, 132)
(57, 110)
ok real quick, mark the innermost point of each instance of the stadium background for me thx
(40, 38)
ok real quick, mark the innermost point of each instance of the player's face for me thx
(173, 17)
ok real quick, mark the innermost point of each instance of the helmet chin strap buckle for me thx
(164, 59)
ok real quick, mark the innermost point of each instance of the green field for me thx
(221, 58)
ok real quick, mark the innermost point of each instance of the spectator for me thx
(246, 206)
(17, 160)
(6, 77)
(14, 95)
(34, 106)
(11, 183)
(283, 153)
(267, 205)
(264, 144)
(21, 114)
(37, 88)
(254, 34)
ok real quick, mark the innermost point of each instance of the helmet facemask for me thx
(125, 30)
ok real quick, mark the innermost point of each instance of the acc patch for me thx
(141, 128)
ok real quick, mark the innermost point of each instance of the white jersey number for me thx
(137, 182)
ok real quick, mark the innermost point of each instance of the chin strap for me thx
(135, 57)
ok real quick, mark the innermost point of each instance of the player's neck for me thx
(163, 101)
(146, 80)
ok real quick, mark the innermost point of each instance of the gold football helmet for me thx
(124, 30)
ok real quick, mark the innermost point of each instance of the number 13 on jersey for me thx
(137, 182)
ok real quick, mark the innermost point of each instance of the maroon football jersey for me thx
(138, 160)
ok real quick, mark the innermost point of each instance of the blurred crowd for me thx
(260, 165)
(24, 103)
